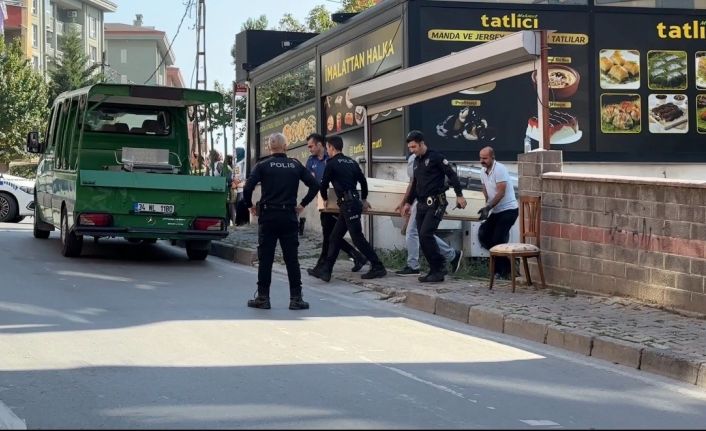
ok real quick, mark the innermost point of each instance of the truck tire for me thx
(71, 243)
(8, 208)
(36, 231)
(196, 250)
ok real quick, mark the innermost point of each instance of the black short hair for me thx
(335, 141)
(316, 137)
(415, 135)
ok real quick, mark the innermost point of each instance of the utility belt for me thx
(348, 196)
(439, 199)
(281, 207)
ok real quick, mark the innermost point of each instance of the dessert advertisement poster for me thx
(295, 124)
(651, 82)
(503, 113)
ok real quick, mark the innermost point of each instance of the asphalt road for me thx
(139, 337)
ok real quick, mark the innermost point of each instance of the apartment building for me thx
(39, 24)
(140, 54)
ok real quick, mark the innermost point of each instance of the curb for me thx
(640, 357)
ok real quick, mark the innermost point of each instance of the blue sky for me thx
(223, 21)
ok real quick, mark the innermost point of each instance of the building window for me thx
(35, 62)
(123, 56)
(94, 54)
(35, 36)
(35, 7)
(123, 79)
(92, 27)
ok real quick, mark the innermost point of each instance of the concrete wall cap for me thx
(621, 179)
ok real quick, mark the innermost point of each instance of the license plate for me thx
(141, 207)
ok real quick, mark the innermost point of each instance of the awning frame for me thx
(521, 52)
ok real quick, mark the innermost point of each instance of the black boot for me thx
(297, 303)
(313, 271)
(375, 272)
(432, 277)
(262, 302)
(322, 273)
(359, 261)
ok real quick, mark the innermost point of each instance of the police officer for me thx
(316, 164)
(278, 210)
(429, 189)
(345, 173)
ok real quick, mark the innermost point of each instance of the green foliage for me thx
(223, 116)
(319, 19)
(24, 169)
(259, 23)
(289, 23)
(356, 5)
(73, 71)
(23, 101)
(289, 89)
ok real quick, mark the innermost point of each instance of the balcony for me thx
(49, 22)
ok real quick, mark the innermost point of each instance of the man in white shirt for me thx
(501, 209)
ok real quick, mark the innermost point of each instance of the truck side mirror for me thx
(33, 144)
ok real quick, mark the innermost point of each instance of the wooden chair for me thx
(530, 221)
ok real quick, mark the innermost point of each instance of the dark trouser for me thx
(328, 221)
(428, 219)
(242, 214)
(349, 220)
(496, 230)
(282, 225)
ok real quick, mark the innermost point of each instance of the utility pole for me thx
(201, 79)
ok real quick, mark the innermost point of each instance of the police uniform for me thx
(316, 167)
(344, 173)
(279, 177)
(429, 189)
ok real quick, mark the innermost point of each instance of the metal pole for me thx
(367, 137)
(543, 93)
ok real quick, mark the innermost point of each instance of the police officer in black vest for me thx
(345, 173)
(429, 189)
(278, 211)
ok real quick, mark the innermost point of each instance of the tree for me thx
(73, 70)
(221, 118)
(357, 5)
(289, 23)
(23, 98)
(319, 19)
(259, 23)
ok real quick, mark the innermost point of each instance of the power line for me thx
(169, 49)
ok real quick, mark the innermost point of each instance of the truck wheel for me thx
(196, 250)
(8, 208)
(38, 233)
(71, 243)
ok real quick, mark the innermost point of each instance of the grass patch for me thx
(474, 267)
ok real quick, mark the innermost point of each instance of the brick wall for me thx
(628, 236)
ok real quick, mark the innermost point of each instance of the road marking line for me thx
(420, 380)
(9, 421)
(540, 423)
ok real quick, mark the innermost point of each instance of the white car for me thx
(16, 198)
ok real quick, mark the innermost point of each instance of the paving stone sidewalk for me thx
(616, 329)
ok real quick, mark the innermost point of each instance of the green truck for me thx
(116, 163)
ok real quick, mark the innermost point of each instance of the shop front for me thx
(627, 84)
